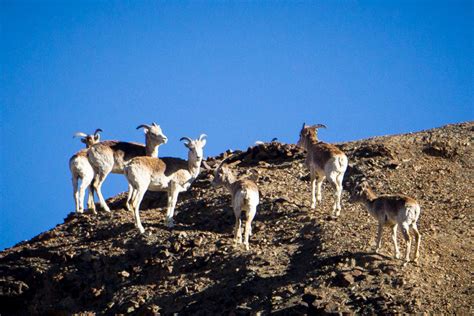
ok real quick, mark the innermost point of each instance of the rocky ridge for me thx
(301, 261)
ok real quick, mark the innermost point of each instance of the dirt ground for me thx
(301, 261)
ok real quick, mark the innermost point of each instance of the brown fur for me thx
(174, 164)
(119, 148)
(318, 152)
(391, 203)
(155, 165)
(243, 184)
(80, 153)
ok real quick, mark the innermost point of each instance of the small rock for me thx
(124, 274)
(198, 241)
(344, 279)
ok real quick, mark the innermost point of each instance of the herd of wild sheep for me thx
(145, 171)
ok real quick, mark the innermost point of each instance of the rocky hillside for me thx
(301, 261)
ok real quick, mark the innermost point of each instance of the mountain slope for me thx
(301, 261)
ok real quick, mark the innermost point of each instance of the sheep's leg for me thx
(128, 204)
(406, 235)
(379, 238)
(139, 197)
(82, 193)
(172, 200)
(313, 190)
(248, 225)
(394, 239)
(90, 199)
(237, 228)
(133, 200)
(86, 181)
(98, 181)
(319, 183)
(339, 179)
(417, 240)
(333, 179)
(75, 180)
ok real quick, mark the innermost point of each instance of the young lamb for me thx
(82, 170)
(172, 175)
(392, 211)
(324, 161)
(245, 197)
(111, 156)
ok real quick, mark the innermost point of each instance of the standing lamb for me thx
(392, 211)
(245, 197)
(82, 170)
(171, 175)
(111, 156)
(324, 161)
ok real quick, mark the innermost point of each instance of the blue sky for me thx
(237, 71)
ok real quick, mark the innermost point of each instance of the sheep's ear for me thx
(97, 137)
(203, 142)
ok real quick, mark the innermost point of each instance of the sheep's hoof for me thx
(142, 230)
(170, 223)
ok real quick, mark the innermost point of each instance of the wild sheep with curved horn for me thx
(81, 170)
(324, 161)
(171, 175)
(110, 156)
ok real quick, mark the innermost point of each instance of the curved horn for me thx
(319, 126)
(304, 125)
(144, 126)
(98, 131)
(186, 138)
(201, 137)
(79, 134)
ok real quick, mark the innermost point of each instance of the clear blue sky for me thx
(239, 72)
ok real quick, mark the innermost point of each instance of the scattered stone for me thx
(343, 279)
(124, 274)
(98, 264)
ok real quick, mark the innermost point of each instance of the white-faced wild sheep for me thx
(172, 175)
(111, 156)
(324, 161)
(82, 170)
(245, 197)
(392, 211)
